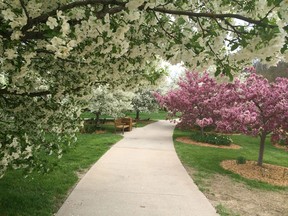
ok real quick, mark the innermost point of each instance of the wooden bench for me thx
(124, 123)
(120, 124)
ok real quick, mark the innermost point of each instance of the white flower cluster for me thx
(144, 101)
(134, 4)
(12, 153)
(110, 102)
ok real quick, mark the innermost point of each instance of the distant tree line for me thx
(271, 73)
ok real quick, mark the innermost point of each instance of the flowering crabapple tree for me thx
(114, 101)
(53, 52)
(261, 108)
(144, 101)
(193, 99)
(110, 102)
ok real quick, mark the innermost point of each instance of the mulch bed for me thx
(100, 131)
(187, 140)
(271, 174)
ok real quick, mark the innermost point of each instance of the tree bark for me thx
(202, 131)
(97, 118)
(261, 149)
(137, 114)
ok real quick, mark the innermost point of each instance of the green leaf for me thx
(218, 71)
(268, 58)
(230, 76)
(51, 34)
(181, 21)
(284, 48)
(234, 46)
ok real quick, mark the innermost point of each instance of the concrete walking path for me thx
(140, 175)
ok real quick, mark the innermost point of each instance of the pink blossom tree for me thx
(260, 108)
(253, 107)
(193, 99)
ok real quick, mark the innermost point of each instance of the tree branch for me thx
(270, 11)
(113, 10)
(162, 27)
(43, 18)
(25, 10)
(5, 91)
(212, 15)
(234, 29)
(29, 94)
(33, 36)
(211, 49)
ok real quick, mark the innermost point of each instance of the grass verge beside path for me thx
(43, 194)
(207, 160)
(160, 115)
(229, 192)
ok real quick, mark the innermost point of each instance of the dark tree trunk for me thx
(202, 131)
(261, 149)
(137, 114)
(97, 118)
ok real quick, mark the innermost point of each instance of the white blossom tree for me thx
(52, 52)
(114, 103)
(144, 101)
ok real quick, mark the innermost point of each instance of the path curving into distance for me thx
(140, 175)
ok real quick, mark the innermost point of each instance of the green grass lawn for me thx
(160, 115)
(207, 160)
(143, 115)
(145, 118)
(43, 194)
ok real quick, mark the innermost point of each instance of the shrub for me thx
(90, 128)
(283, 142)
(211, 138)
(241, 160)
(208, 128)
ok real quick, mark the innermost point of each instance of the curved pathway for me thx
(140, 175)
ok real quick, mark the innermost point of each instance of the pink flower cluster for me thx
(193, 99)
(204, 122)
(250, 69)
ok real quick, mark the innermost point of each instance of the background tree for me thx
(271, 73)
(110, 102)
(144, 101)
(53, 52)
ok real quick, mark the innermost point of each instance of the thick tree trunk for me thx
(137, 114)
(261, 149)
